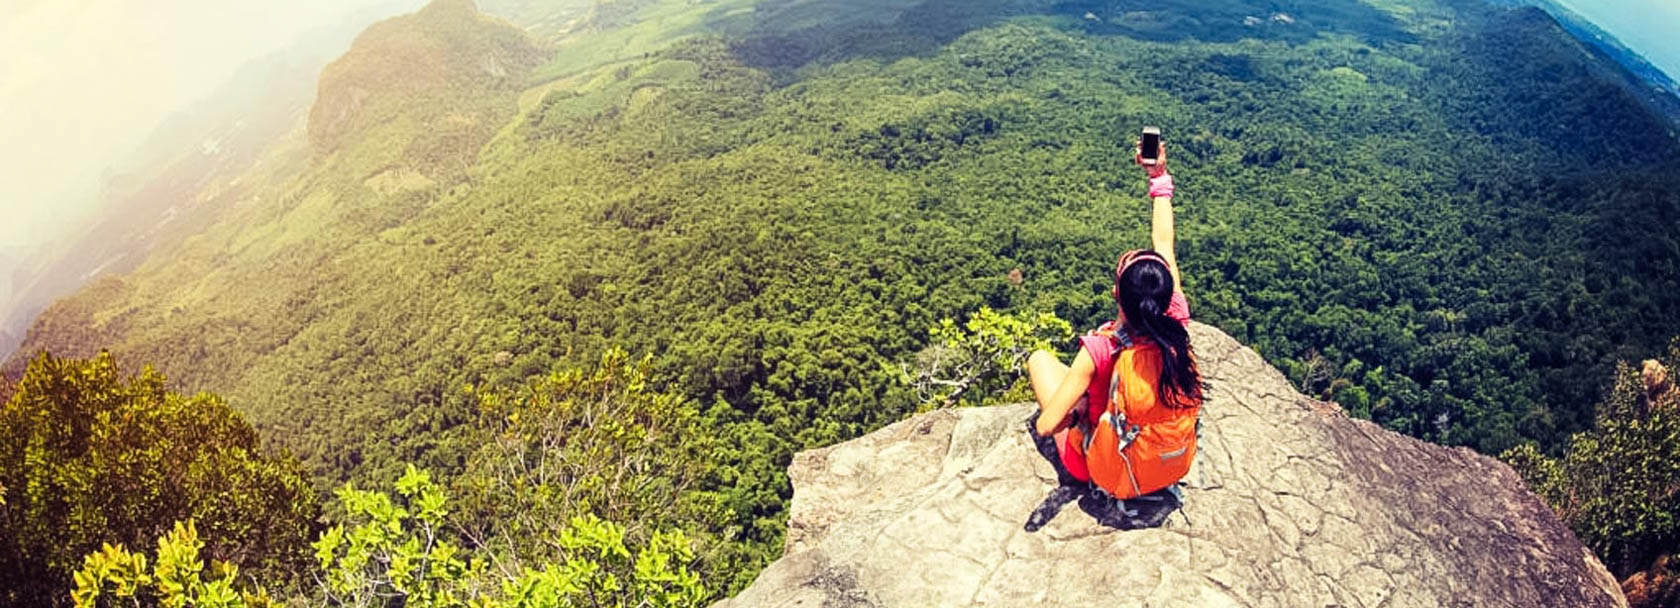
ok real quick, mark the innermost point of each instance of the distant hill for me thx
(1652, 85)
(180, 178)
(544, 19)
(8, 260)
(445, 76)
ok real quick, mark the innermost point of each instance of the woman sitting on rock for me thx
(1124, 414)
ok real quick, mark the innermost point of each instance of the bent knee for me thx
(1039, 428)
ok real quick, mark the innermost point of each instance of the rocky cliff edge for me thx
(1290, 503)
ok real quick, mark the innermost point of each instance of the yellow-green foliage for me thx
(1618, 484)
(396, 549)
(597, 441)
(89, 456)
(114, 576)
(983, 361)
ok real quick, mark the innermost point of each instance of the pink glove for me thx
(1161, 185)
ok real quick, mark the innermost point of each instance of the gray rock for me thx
(1290, 503)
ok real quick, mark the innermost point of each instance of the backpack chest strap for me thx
(1116, 399)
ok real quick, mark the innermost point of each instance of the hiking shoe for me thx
(1052, 505)
(1047, 448)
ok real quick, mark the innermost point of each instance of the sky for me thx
(83, 81)
(1649, 27)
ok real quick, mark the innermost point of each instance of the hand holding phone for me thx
(1149, 146)
(1151, 152)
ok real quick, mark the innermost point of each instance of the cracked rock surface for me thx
(1290, 503)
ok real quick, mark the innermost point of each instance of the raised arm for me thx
(1161, 216)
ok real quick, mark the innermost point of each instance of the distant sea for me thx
(1634, 34)
(1648, 27)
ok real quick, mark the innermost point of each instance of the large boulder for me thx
(1290, 503)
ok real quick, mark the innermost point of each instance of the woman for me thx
(1124, 414)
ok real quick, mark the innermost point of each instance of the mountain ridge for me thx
(447, 67)
(179, 179)
(1652, 85)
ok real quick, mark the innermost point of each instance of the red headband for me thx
(1132, 257)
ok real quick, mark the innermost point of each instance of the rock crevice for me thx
(1290, 503)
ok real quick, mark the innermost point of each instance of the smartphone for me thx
(1150, 149)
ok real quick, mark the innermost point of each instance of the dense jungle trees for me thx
(89, 455)
(583, 488)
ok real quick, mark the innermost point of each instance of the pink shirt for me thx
(1178, 309)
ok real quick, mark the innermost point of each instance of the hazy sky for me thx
(1650, 27)
(84, 80)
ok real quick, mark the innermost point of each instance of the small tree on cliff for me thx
(982, 360)
(1618, 485)
(599, 441)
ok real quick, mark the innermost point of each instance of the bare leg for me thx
(1046, 373)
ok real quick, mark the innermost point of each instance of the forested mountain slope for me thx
(1646, 81)
(1433, 213)
(177, 181)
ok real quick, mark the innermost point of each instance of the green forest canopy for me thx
(1434, 213)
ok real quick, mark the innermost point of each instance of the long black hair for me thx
(1144, 290)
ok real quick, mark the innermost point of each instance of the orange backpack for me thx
(1133, 445)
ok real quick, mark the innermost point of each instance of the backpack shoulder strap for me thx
(1116, 411)
(1103, 348)
(1121, 341)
